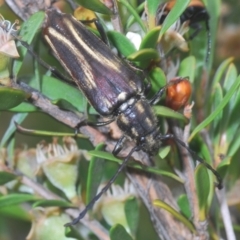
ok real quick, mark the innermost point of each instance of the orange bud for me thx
(178, 94)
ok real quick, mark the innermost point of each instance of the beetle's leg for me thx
(194, 155)
(104, 189)
(154, 100)
(148, 86)
(119, 145)
(197, 28)
(43, 63)
(157, 96)
(93, 124)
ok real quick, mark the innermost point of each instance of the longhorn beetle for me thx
(111, 85)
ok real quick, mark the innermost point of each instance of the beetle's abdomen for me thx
(138, 121)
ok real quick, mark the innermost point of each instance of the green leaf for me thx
(109, 156)
(18, 118)
(223, 166)
(52, 203)
(24, 107)
(158, 79)
(199, 49)
(230, 78)
(58, 90)
(146, 54)
(131, 18)
(206, 155)
(122, 43)
(217, 97)
(133, 12)
(180, 217)
(220, 71)
(35, 132)
(152, 6)
(118, 232)
(55, 89)
(132, 214)
(164, 151)
(167, 112)
(10, 97)
(63, 104)
(173, 15)
(233, 171)
(27, 33)
(48, 133)
(187, 68)
(15, 211)
(95, 173)
(213, 8)
(13, 199)
(6, 177)
(72, 232)
(184, 206)
(203, 188)
(234, 145)
(220, 107)
(151, 38)
(95, 5)
(4, 69)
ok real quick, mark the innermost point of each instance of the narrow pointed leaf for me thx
(27, 33)
(6, 177)
(132, 213)
(95, 173)
(203, 189)
(173, 15)
(118, 232)
(184, 206)
(10, 97)
(52, 203)
(122, 43)
(13, 199)
(220, 107)
(180, 217)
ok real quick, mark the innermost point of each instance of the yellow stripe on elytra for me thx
(98, 57)
(78, 56)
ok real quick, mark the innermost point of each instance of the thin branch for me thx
(25, 8)
(116, 21)
(188, 172)
(227, 222)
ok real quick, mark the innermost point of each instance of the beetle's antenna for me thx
(195, 156)
(209, 43)
(43, 63)
(104, 189)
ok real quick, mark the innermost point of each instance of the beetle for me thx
(111, 86)
(193, 15)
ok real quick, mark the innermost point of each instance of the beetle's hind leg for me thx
(194, 155)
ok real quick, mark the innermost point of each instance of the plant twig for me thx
(227, 222)
(188, 172)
